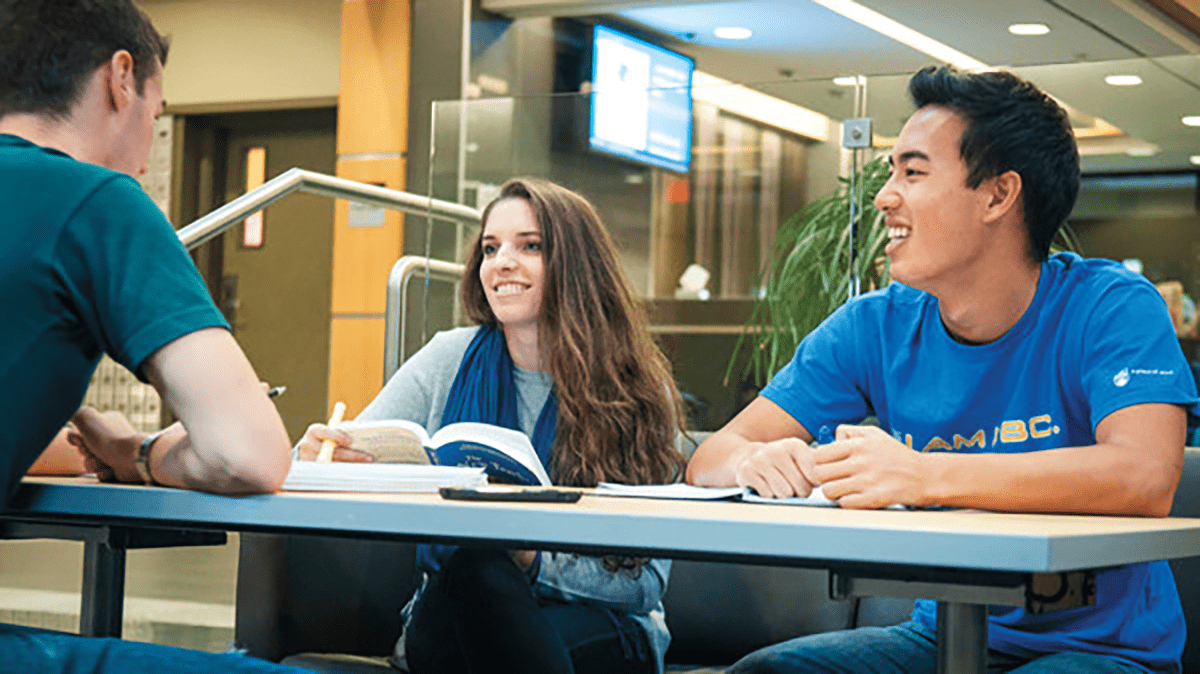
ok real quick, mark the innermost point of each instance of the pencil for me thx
(326, 453)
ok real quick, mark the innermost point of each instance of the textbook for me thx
(504, 454)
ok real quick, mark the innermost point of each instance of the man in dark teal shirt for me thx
(88, 265)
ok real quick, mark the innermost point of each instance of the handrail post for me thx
(397, 303)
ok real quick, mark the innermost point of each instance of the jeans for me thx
(480, 614)
(26, 650)
(908, 648)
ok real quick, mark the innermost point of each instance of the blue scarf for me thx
(483, 391)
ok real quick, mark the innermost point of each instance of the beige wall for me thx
(248, 51)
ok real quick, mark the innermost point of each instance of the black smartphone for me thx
(503, 493)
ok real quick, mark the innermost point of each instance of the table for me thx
(964, 559)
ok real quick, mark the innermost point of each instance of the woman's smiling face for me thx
(513, 265)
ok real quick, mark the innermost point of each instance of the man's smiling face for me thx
(935, 222)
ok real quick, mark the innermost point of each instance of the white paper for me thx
(347, 476)
(677, 491)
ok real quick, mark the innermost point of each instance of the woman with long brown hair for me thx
(562, 352)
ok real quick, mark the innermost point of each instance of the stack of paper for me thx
(678, 490)
(816, 498)
(685, 491)
(346, 476)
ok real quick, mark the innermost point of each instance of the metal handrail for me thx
(397, 303)
(209, 226)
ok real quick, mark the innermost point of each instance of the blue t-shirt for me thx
(1095, 339)
(88, 265)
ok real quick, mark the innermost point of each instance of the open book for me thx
(504, 454)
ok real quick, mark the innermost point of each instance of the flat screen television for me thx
(641, 102)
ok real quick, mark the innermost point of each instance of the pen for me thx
(824, 437)
(326, 453)
(276, 391)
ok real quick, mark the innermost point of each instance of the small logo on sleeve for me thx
(1121, 378)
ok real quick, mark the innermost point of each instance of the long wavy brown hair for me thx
(618, 407)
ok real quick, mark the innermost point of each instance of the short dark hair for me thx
(1011, 126)
(49, 48)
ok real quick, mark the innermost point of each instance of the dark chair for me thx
(1187, 504)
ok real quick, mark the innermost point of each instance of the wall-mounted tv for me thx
(641, 101)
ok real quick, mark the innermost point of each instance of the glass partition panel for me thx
(757, 156)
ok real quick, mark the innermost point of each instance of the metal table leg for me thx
(103, 602)
(962, 638)
(962, 597)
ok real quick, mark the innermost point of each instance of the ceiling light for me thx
(849, 80)
(1142, 151)
(751, 104)
(1195, 159)
(1123, 80)
(1191, 120)
(1029, 29)
(902, 34)
(733, 33)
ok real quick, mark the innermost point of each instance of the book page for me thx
(504, 441)
(392, 441)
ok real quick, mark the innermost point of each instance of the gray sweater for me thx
(419, 389)
(418, 392)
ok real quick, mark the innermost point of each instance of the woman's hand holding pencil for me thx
(320, 436)
(326, 453)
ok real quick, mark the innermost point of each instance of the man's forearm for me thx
(1100, 479)
(715, 461)
(175, 462)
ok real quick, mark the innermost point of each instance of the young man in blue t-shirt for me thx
(1002, 377)
(89, 265)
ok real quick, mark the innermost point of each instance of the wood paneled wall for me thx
(372, 143)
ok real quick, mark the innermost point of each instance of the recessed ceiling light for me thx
(847, 80)
(1123, 80)
(1142, 151)
(1191, 120)
(1195, 159)
(1029, 29)
(733, 33)
(881, 24)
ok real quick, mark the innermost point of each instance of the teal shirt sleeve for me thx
(133, 286)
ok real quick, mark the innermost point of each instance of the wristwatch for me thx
(142, 462)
